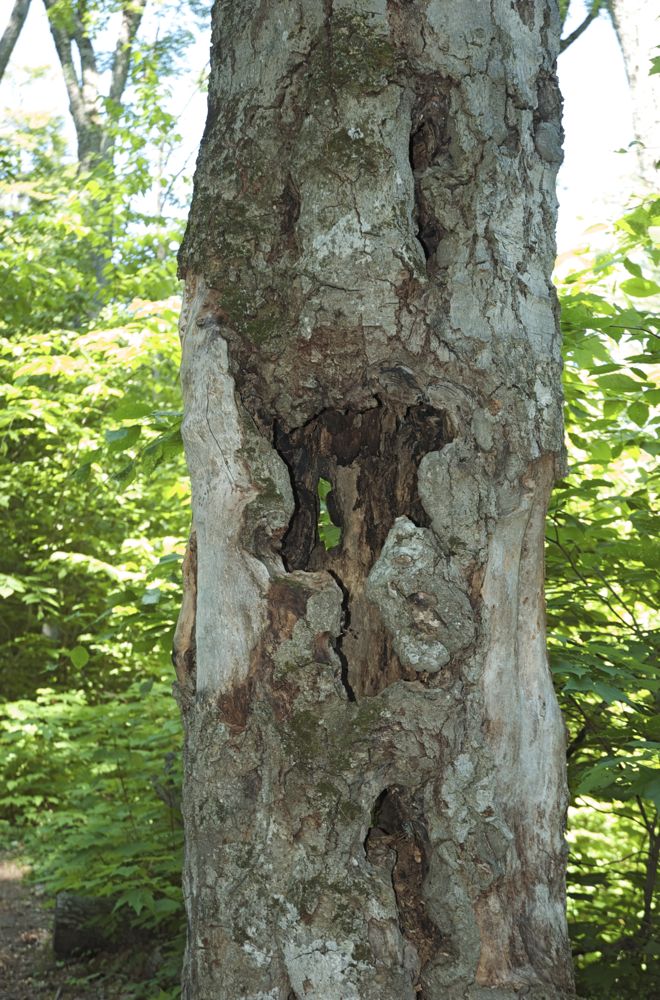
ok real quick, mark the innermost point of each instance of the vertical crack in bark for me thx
(328, 14)
(371, 458)
(428, 143)
(337, 644)
(289, 210)
(183, 647)
(398, 840)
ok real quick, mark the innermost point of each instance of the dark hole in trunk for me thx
(370, 458)
(398, 840)
(427, 144)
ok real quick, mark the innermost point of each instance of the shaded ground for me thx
(28, 968)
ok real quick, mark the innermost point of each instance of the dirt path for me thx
(28, 969)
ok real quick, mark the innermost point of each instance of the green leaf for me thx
(619, 383)
(632, 268)
(597, 778)
(10, 585)
(79, 657)
(607, 692)
(130, 410)
(123, 437)
(138, 899)
(639, 413)
(640, 287)
(600, 451)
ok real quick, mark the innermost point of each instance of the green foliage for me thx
(602, 561)
(73, 243)
(329, 532)
(104, 797)
(88, 399)
(88, 571)
(95, 507)
(94, 788)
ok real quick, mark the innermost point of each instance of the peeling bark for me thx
(183, 652)
(374, 779)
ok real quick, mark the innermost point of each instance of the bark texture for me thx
(374, 779)
(637, 25)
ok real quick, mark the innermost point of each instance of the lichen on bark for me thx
(374, 779)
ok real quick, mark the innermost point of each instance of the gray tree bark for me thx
(637, 25)
(374, 765)
(11, 33)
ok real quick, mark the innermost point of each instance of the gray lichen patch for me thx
(361, 56)
(268, 513)
(429, 616)
(457, 497)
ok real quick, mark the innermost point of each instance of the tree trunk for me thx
(374, 767)
(12, 31)
(637, 28)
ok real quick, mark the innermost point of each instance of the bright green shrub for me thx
(94, 791)
(603, 556)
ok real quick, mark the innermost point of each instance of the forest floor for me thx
(28, 969)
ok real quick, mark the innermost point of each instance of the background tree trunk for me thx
(12, 31)
(70, 26)
(375, 781)
(638, 29)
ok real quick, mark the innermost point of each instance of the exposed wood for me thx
(183, 651)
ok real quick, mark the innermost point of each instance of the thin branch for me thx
(576, 743)
(590, 587)
(574, 35)
(164, 198)
(130, 23)
(617, 596)
(585, 863)
(642, 329)
(11, 33)
(650, 826)
(84, 44)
